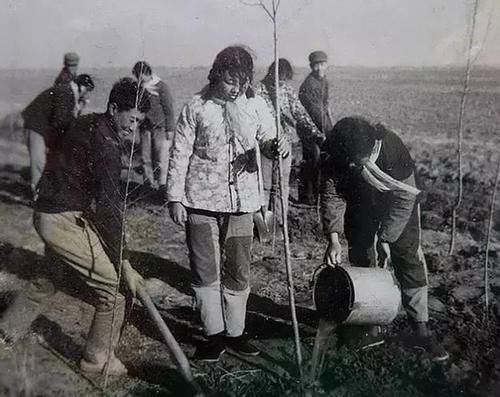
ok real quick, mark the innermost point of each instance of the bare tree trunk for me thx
(284, 215)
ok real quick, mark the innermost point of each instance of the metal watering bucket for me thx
(356, 295)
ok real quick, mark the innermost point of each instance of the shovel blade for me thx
(264, 223)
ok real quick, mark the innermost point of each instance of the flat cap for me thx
(317, 56)
(71, 59)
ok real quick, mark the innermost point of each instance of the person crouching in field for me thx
(368, 190)
(213, 188)
(79, 216)
(49, 116)
(294, 118)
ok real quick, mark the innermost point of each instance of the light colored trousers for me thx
(220, 254)
(155, 147)
(72, 239)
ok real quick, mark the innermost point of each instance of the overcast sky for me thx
(35, 33)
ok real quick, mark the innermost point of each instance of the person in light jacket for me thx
(213, 188)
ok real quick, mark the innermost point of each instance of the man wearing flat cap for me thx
(69, 70)
(313, 94)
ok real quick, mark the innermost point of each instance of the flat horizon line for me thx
(261, 66)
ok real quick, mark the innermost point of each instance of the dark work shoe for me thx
(359, 338)
(211, 350)
(368, 341)
(431, 346)
(424, 339)
(369, 337)
(241, 345)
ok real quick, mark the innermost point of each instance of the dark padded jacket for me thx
(83, 174)
(313, 94)
(344, 192)
(51, 112)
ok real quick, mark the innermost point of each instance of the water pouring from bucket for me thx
(351, 295)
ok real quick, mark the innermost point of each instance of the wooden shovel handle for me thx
(177, 354)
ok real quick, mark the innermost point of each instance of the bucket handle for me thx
(314, 278)
(312, 281)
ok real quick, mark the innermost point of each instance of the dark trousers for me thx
(361, 226)
(309, 174)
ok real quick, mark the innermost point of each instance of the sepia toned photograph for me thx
(250, 198)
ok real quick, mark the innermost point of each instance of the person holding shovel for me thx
(213, 189)
(368, 191)
(79, 215)
(294, 118)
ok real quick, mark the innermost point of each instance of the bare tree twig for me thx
(259, 3)
(488, 237)
(465, 91)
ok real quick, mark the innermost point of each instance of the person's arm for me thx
(109, 206)
(399, 165)
(332, 210)
(332, 205)
(326, 107)
(303, 120)
(167, 104)
(401, 205)
(312, 101)
(266, 132)
(63, 109)
(180, 156)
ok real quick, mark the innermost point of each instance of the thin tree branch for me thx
(261, 4)
(465, 91)
(488, 236)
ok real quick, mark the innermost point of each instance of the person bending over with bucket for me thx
(79, 216)
(368, 190)
(213, 189)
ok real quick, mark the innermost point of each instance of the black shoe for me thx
(211, 350)
(368, 341)
(241, 345)
(423, 339)
(359, 338)
(431, 346)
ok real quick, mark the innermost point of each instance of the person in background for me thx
(157, 129)
(79, 216)
(213, 189)
(368, 192)
(49, 116)
(69, 70)
(314, 95)
(294, 118)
